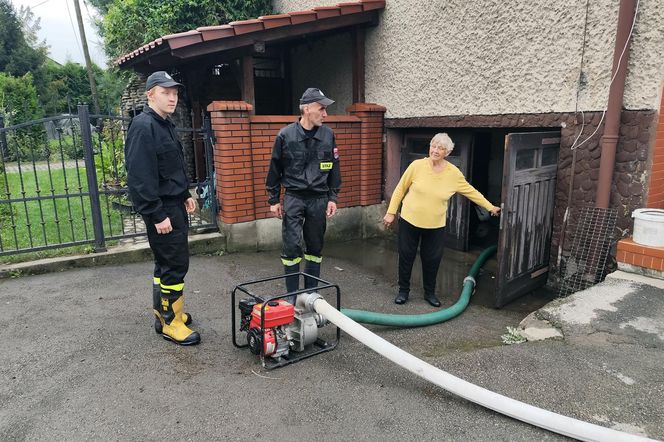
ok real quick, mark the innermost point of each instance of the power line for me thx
(39, 4)
(78, 43)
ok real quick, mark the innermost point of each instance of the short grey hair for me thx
(444, 140)
(302, 106)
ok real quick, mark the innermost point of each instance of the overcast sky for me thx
(60, 29)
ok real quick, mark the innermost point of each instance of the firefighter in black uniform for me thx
(305, 161)
(158, 188)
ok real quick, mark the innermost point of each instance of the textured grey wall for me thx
(325, 64)
(455, 57)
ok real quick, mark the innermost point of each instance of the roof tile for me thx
(350, 8)
(327, 12)
(275, 21)
(302, 17)
(215, 32)
(245, 26)
(182, 39)
(206, 33)
(369, 5)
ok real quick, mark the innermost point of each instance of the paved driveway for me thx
(80, 361)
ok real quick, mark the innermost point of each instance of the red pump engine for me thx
(277, 313)
(284, 328)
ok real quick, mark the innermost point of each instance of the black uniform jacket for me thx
(155, 165)
(306, 167)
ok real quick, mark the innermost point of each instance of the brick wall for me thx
(639, 255)
(244, 144)
(656, 185)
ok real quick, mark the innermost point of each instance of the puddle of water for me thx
(379, 255)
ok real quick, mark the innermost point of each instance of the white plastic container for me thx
(649, 227)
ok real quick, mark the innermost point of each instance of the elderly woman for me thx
(425, 188)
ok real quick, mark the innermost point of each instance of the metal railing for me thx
(63, 183)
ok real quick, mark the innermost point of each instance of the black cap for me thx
(160, 78)
(315, 95)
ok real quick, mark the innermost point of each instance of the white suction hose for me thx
(518, 410)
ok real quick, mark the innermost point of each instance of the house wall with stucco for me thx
(456, 57)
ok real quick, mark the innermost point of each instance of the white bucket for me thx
(649, 227)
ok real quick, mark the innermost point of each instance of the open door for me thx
(416, 146)
(529, 182)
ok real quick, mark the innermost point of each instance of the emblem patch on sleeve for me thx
(327, 165)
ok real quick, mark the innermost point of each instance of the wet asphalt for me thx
(81, 361)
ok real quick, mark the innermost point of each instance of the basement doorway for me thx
(515, 168)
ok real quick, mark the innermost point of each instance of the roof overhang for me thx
(176, 49)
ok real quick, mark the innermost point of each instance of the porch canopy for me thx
(250, 60)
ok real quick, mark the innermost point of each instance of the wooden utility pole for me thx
(86, 54)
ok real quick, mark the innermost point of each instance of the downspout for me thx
(609, 139)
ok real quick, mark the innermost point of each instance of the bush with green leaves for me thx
(63, 87)
(19, 104)
(109, 157)
(129, 24)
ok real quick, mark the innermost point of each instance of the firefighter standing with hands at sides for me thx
(158, 188)
(305, 161)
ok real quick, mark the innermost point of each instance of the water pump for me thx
(278, 331)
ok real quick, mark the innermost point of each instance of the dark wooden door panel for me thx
(529, 183)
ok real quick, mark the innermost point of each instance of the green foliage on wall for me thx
(129, 24)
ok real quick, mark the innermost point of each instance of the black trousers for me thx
(303, 217)
(171, 250)
(430, 242)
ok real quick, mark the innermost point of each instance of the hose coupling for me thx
(470, 279)
(305, 301)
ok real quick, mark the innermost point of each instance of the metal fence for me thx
(63, 183)
(593, 239)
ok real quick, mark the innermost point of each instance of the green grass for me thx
(53, 220)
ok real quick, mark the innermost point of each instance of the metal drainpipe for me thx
(609, 139)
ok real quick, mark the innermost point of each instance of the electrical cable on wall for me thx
(575, 146)
(629, 36)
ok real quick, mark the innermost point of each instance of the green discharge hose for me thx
(367, 317)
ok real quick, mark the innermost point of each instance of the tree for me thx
(129, 24)
(18, 104)
(62, 87)
(53, 88)
(16, 56)
(101, 5)
(31, 25)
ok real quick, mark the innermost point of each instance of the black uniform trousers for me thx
(171, 250)
(430, 242)
(303, 217)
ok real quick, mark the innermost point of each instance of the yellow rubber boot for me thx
(171, 320)
(156, 303)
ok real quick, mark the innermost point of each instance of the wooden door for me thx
(529, 182)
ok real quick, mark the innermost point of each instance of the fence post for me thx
(91, 173)
(4, 148)
(209, 165)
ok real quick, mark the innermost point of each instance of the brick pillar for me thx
(656, 186)
(233, 160)
(371, 154)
